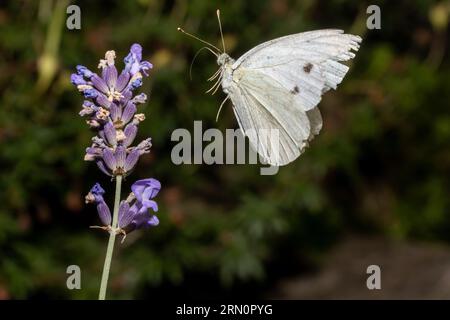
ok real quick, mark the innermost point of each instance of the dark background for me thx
(376, 177)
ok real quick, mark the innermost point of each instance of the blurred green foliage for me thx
(380, 164)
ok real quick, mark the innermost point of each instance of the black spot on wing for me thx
(295, 90)
(307, 67)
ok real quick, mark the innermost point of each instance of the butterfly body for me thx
(226, 71)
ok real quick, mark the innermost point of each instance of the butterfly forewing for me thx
(305, 63)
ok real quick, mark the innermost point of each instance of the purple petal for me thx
(92, 153)
(145, 66)
(151, 191)
(136, 50)
(97, 190)
(130, 132)
(136, 83)
(140, 98)
(125, 215)
(101, 134)
(120, 156)
(140, 220)
(110, 133)
(104, 213)
(153, 221)
(102, 168)
(111, 76)
(103, 101)
(76, 79)
(127, 95)
(133, 59)
(88, 108)
(128, 112)
(90, 93)
(99, 84)
(144, 146)
(131, 160)
(85, 72)
(150, 204)
(140, 186)
(122, 81)
(144, 220)
(87, 103)
(109, 159)
(114, 111)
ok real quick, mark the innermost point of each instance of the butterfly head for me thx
(224, 59)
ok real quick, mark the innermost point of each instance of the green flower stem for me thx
(112, 238)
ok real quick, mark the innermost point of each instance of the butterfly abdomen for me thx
(227, 78)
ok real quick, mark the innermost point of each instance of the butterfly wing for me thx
(306, 64)
(277, 127)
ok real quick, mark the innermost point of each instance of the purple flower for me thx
(88, 108)
(143, 147)
(133, 62)
(140, 98)
(96, 196)
(95, 151)
(117, 162)
(121, 116)
(136, 215)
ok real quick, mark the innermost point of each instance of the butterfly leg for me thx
(220, 108)
(215, 86)
(215, 75)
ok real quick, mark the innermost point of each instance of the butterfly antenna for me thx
(203, 41)
(195, 56)
(220, 28)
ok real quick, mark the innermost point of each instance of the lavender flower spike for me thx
(110, 108)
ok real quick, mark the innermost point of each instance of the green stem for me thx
(112, 238)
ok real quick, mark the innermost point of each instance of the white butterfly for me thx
(276, 86)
